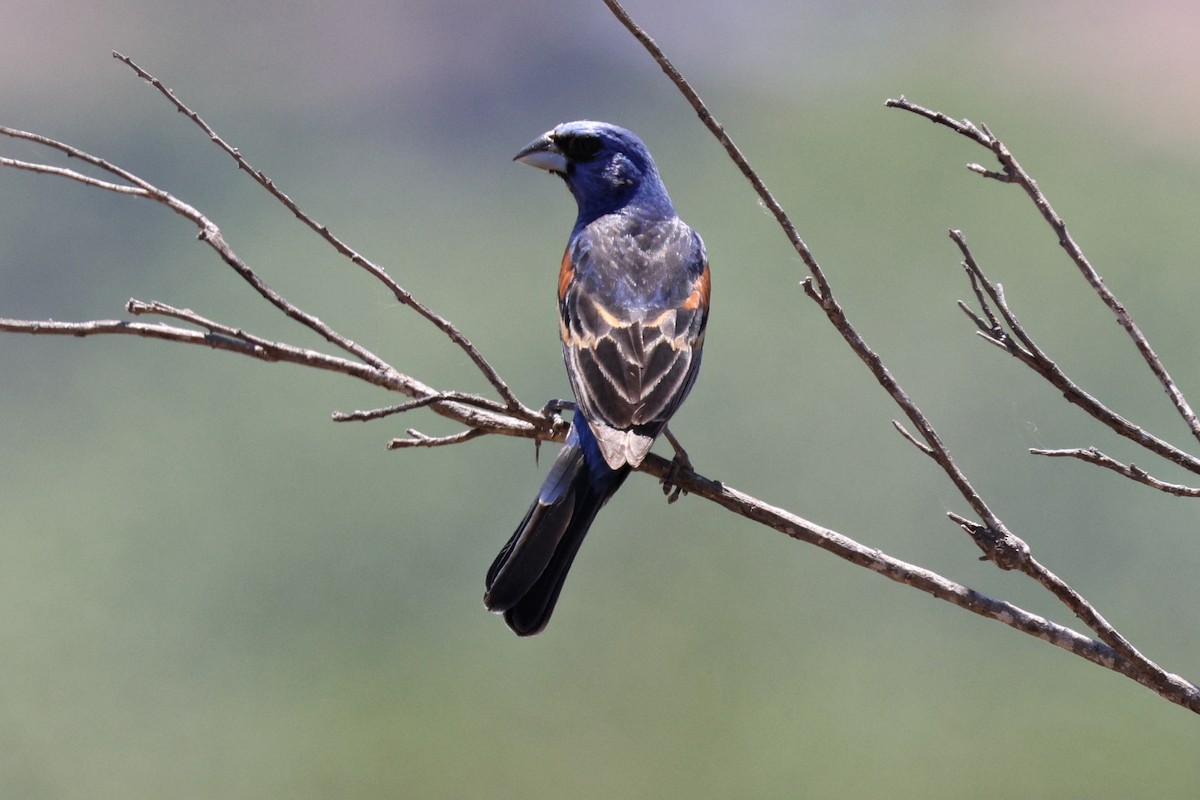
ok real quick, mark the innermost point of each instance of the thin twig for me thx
(386, 411)
(419, 439)
(984, 290)
(143, 188)
(1135, 473)
(422, 402)
(156, 307)
(914, 441)
(992, 327)
(62, 172)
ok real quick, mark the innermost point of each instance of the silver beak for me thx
(543, 153)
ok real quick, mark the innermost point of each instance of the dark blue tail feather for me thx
(525, 579)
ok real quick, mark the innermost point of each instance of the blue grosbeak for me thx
(632, 302)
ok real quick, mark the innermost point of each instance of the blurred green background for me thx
(207, 589)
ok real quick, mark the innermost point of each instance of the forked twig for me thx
(1016, 340)
(379, 273)
(1012, 172)
(210, 234)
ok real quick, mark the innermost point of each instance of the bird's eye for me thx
(582, 147)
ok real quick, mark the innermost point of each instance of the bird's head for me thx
(606, 167)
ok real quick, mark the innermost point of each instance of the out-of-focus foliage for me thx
(209, 590)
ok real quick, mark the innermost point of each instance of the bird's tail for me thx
(525, 579)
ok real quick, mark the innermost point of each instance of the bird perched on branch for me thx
(633, 303)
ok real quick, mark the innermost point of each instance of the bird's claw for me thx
(680, 464)
(554, 408)
(557, 406)
(670, 488)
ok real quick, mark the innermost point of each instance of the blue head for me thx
(607, 169)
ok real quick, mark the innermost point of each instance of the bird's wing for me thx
(633, 310)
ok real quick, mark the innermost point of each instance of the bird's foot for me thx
(680, 464)
(552, 409)
(557, 406)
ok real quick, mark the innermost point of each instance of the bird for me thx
(633, 299)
